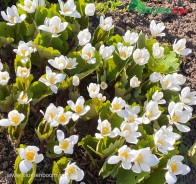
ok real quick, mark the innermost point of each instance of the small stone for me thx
(5, 164)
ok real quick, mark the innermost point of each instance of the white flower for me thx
(24, 51)
(158, 97)
(12, 16)
(90, 9)
(130, 115)
(124, 156)
(29, 5)
(157, 52)
(180, 47)
(41, 3)
(178, 116)
(69, 9)
(106, 24)
(84, 37)
(165, 138)
(141, 56)
(124, 51)
(50, 113)
(143, 160)
(93, 90)
(61, 117)
(134, 82)
(75, 80)
(152, 111)
(32, 46)
(155, 77)
(71, 63)
(1, 65)
(106, 52)
(88, 54)
(131, 38)
(101, 97)
(156, 29)
(179, 79)
(29, 156)
(143, 120)
(72, 172)
(22, 72)
(175, 167)
(14, 119)
(23, 98)
(59, 63)
(53, 25)
(78, 108)
(188, 98)
(52, 79)
(105, 129)
(65, 145)
(117, 104)
(4, 78)
(129, 132)
(103, 85)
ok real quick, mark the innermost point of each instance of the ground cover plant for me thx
(127, 85)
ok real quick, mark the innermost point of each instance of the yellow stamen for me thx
(160, 142)
(4, 78)
(89, 54)
(64, 144)
(175, 118)
(52, 115)
(105, 130)
(30, 155)
(62, 119)
(124, 154)
(23, 52)
(56, 30)
(78, 109)
(131, 119)
(51, 80)
(116, 106)
(149, 114)
(12, 19)
(24, 97)
(123, 55)
(139, 159)
(15, 120)
(70, 170)
(173, 167)
(166, 83)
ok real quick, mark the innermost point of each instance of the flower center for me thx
(69, 65)
(175, 118)
(139, 159)
(24, 72)
(52, 115)
(62, 119)
(149, 114)
(64, 144)
(24, 97)
(12, 19)
(160, 142)
(23, 52)
(78, 109)
(51, 80)
(70, 170)
(30, 155)
(166, 84)
(29, 5)
(131, 119)
(123, 55)
(65, 10)
(105, 130)
(89, 54)
(116, 106)
(56, 29)
(15, 120)
(124, 154)
(174, 167)
(4, 78)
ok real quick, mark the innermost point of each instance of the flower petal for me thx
(25, 166)
(170, 178)
(60, 135)
(114, 159)
(57, 150)
(5, 122)
(64, 179)
(39, 158)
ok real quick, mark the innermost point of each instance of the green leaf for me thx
(142, 40)
(5, 41)
(50, 149)
(6, 31)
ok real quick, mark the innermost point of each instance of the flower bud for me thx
(75, 80)
(90, 9)
(134, 82)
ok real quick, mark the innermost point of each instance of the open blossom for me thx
(12, 16)
(61, 117)
(129, 132)
(165, 138)
(101, 97)
(29, 155)
(175, 167)
(130, 115)
(131, 38)
(106, 24)
(93, 90)
(117, 104)
(124, 51)
(32, 46)
(71, 63)
(178, 116)
(172, 82)
(29, 5)
(24, 51)
(88, 54)
(69, 9)
(78, 108)
(106, 52)
(143, 159)
(124, 156)
(72, 172)
(188, 98)
(52, 79)
(4, 78)
(53, 25)
(134, 82)
(158, 52)
(155, 77)
(141, 56)
(23, 98)
(14, 119)
(156, 29)
(180, 47)
(65, 144)
(152, 111)
(158, 97)
(105, 129)
(75, 80)
(103, 85)
(22, 72)
(90, 9)
(84, 37)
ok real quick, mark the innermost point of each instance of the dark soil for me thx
(176, 27)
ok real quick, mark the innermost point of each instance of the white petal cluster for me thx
(152, 111)
(29, 5)
(157, 52)
(65, 144)
(158, 97)
(155, 77)
(29, 156)
(88, 54)
(22, 72)
(90, 9)
(23, 98)
(134, 82)
(117, 104)
(84, 37)
(124, 51)
(141, 56)
(4, 78)
(106, 24)
(106, 52)
(180, 47)
(156, 29)
(131, 37)
(93, 90)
